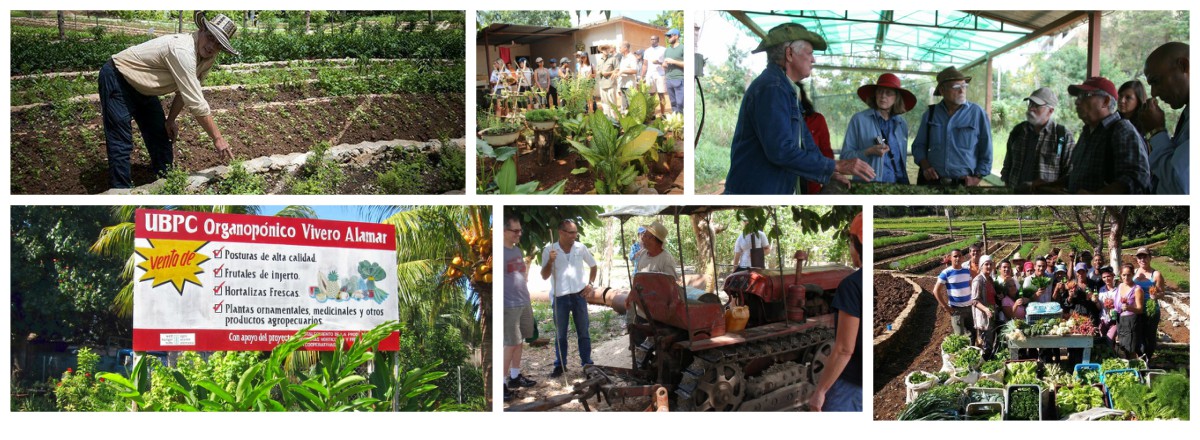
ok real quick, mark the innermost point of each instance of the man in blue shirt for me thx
(771, 144)
(1167, 73)
(954, 138)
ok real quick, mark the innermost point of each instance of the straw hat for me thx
(221, 27)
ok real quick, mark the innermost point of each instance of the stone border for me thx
(359, 153)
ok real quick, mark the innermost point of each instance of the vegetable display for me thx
(991, 366)
(917, 377)
(967, 359)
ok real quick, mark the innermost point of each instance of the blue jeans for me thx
(843, 396)
(564, 307)
(675, 93)
(120, 104)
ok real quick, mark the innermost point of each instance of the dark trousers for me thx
(120, 104)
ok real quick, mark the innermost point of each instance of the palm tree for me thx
(117, 240)
(442, 251)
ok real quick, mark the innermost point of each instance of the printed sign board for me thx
(210, 282)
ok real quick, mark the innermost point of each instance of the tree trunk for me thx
(704, 242)
(610, 239)
(485, 323)
(62, 23)
(307, 21)
(179, 24)
(1118, 215)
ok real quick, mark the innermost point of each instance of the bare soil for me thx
(891, 296)
(65, 154)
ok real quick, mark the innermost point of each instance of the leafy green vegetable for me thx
(1023, 404)
(1114, 364)
(1040, 281)
(1021, 373)
(953, 343)
(942, 376)
(1071, 400)
(917, 377)
(966, 359)
(988, 383)
(976, 395)
(1170, 393)
(991, 366)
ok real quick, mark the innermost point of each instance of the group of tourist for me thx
(618, 70)
(1124, 146)
(981, 295)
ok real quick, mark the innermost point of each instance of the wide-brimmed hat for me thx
(787, 33)
(1092, 84)
(949, 74)
(221, 27)
(867, 92)
(658, 231)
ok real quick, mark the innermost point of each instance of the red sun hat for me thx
(867, 92)
(1092, 84)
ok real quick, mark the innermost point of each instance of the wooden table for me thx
(1070, 341)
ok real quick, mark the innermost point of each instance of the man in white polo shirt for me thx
(569, 259)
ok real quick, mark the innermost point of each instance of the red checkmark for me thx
(218, 288)
(217, 306)
(217, 253)
(217, 271)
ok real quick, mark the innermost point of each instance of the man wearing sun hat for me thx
(771, 143)
(132, 80)
(654, 257)
(954, 140)
(1110, 156)
(1038, 147)
(878, 135)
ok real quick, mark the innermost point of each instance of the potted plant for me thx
(497, 131)
(541, 119)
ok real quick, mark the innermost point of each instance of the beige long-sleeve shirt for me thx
(164, 65)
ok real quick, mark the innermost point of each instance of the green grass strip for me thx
(900, 239)
(913, 260)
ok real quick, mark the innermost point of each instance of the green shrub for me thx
(404, 177)
(81, 390)
(238, 181)
(318, 175)
(176, 182)
(1178, 243)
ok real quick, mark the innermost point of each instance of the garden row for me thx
(326, 77)
(53, 155)
(39, 50)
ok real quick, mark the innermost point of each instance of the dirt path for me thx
(609, 347)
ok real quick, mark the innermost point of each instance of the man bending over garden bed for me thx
(132, 81)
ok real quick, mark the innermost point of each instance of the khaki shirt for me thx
(164, 65)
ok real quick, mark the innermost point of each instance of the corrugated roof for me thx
(936, 39)
(500, 33)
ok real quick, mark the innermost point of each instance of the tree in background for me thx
(669, 19)
(529, 18)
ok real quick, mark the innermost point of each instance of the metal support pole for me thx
(686, 310)
(1093, 52)
(787, 307)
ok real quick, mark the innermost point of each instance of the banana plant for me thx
(332, 383)
(611, 153)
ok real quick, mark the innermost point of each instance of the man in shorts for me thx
(518, 313)
(655, 72)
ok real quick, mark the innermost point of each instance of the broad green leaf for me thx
(578, 171)
(506, 178)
